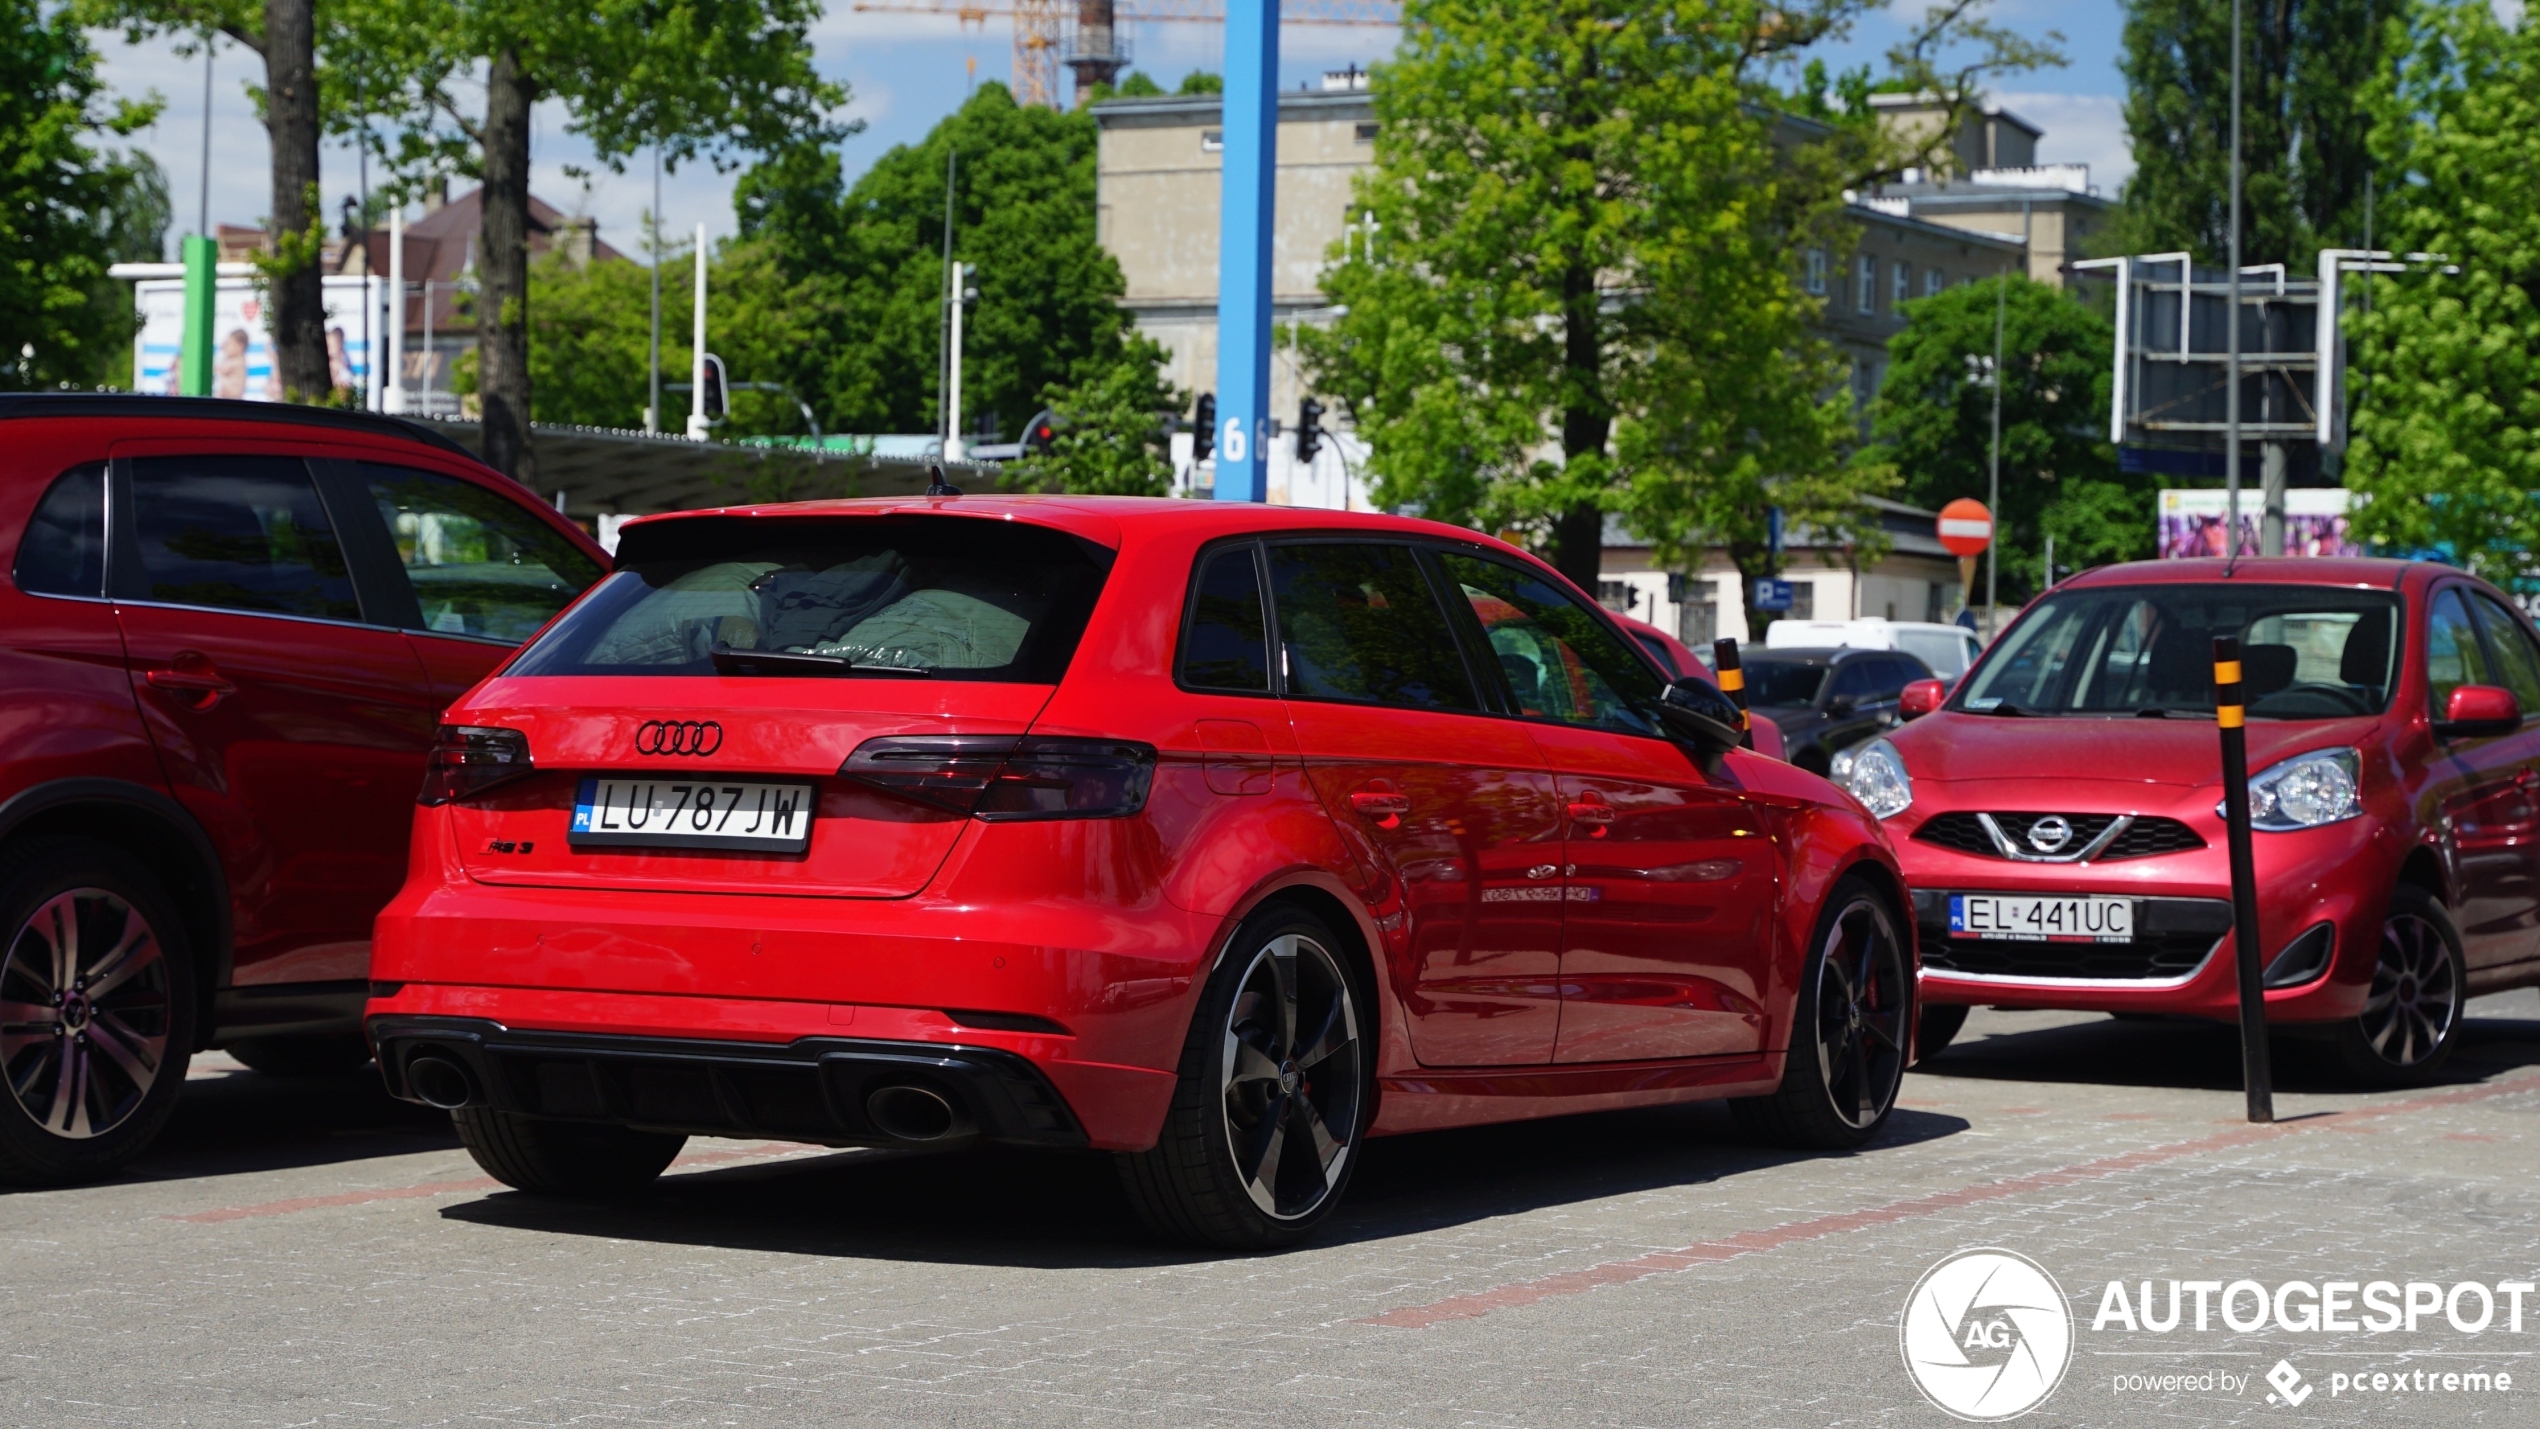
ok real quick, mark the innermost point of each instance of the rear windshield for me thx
(2306, 652)
(952, 597)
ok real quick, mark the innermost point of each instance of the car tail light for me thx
(1003, 777)
(467, 760)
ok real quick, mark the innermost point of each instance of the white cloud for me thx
(2080, 129)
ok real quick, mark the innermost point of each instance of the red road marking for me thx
(297, 1204)
(1709, 1252)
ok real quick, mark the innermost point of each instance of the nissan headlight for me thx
(2305, 791)
(1877, 778)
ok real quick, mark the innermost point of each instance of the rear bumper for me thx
(815, 1089)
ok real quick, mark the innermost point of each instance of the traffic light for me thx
(1204, 427)
(716, 385)
(1040, 432)
(1309, 429)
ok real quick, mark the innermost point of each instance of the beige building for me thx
(1158, 171)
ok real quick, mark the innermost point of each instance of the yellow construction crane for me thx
(1088, 41)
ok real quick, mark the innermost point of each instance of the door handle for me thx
(1385, 807)
(196, 681)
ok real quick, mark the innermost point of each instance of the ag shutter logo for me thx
(1986, 1335)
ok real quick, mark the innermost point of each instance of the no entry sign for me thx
(1966, 528)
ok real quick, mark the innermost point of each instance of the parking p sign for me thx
(1771, 594)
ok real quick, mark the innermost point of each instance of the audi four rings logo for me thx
(671, 736)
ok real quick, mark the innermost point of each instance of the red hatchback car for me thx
(2059, 816)
(1220, 837)
(226, 635)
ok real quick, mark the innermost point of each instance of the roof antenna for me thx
(935, 483)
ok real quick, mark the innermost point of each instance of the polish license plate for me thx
(2041, 920)
(740, 814)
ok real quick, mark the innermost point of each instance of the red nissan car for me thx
(2059, 815)
(226, 635)
(1218, 837)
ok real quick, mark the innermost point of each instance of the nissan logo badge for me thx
(670, 736)
(2050, 834)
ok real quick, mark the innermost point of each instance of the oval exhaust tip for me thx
(439, 1082)
(912, 1113)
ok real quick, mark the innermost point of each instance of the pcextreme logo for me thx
(1986, 1335)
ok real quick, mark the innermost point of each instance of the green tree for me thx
(1933, 422)
(2305, 67)
(1583, 297)
(284, 34)
(1114, 433)
(698, 78)
(847, 302)
(67, 207)
(2447, 422)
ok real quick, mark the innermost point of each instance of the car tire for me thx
(1935, 1027)
(333, 1056)
(1847, 1041)
(2412, 1012)
(101, 978)
(576, 1160)
(1281, 1053)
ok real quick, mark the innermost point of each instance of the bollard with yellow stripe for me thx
(1732, 677)
(2231, 717)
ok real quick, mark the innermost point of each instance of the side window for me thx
(1856, 681)
(237, 533)
(1559, 660)
(1888, 677)
(1359, 622)
(2516, 660)
(1227, 645)
(480, 565)
(64, 549)
(2452, 656)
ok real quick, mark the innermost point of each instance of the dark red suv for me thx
(225, 635)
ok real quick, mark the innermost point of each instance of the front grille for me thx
(2172, 938)
(2146, 837)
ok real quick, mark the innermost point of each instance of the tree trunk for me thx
(502, 272)
(1578, 534)
(1754, 561)
(297, 296)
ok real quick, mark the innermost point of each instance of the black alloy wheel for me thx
(1264, 1128)
(96, 1011)
(2412, 1011)
(1848, 1033)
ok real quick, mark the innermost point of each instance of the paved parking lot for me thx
(310, 1253)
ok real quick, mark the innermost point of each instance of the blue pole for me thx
(1244, 250)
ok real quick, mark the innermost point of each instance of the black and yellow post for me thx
(2230, 714)
(1733, 684)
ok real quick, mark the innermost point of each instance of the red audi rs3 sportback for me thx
(1217, 837)
(2059, 815)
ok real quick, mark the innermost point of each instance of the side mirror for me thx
(2477, 711)
(1697, 713)
(1922, 697)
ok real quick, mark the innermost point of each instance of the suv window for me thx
(237, 533)
(479, 564)
(1358, 621)
(2511, 646)
(2452, 654)
(1855, 680)
(64, 549)
(1228, 645)
(953, 597)
(1560, 662)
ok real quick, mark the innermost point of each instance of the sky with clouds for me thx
(906, 71)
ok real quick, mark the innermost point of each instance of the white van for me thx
(1948, 649)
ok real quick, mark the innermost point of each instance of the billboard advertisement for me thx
(242, 353)
(2192, 522)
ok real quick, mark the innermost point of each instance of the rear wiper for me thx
(728, 661)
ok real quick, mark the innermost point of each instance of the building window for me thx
(1865, 283)
(1211, 140)
(1865, 383)
(1803, 600)
(1817, 271)
(1366, 133)
(1933, 282)
(1904, 280)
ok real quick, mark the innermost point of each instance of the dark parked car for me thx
(226, 633)
(1826, 701)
